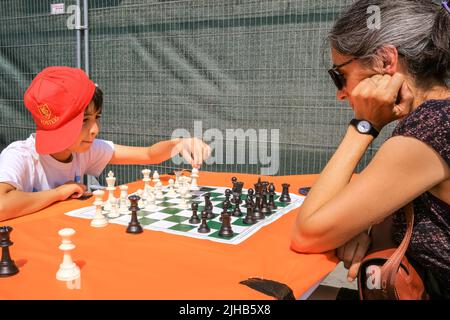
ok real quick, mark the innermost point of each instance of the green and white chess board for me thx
(169, 217)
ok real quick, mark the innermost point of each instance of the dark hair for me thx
(419, 29)
(98, 99)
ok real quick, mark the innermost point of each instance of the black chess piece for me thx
(225, 229)
(249, 217)
(233, 181)
(227, 194)
(239, 187)
(272, 205)
(265, 210)
(225, 205)
(208, 206)
(204, 228)
(7, 266)
(134, 226)
(237, 201)
(194, 218)
(250, 195)
(285, 197)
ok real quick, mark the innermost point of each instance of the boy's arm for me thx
(15, 203)
(193, 150)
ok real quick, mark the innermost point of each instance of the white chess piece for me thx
(99, 219)
(171, 191)
(159, 193)
(68, 270)
(194, 176)
(123, 204)
(146, 179)
(151, 202)
(156, 177)
(141, 202)
(183, 202)
(114, 213)
(110, 180)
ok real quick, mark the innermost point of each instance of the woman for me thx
(396, 72)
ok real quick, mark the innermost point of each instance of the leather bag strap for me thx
(390, 268)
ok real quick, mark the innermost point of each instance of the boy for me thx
(47, 167)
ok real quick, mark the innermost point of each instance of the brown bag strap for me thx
(390, 268)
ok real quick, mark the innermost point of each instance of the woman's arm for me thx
(401, 170)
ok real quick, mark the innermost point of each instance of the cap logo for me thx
(46, 113)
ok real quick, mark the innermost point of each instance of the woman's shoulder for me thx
(429, 123)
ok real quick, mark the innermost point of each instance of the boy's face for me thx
(89, 131)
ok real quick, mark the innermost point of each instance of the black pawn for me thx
(233, 181)
(204, 228)
(225, 229)
(208, 206)
(249, 217)
(250, 195)
(265, 210)
(272, 205)
(285, 193)
(7, 265)
(134, 226)
(194, 218)
(227, 194)
(225, 205)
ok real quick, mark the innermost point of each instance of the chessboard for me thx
(169, 216)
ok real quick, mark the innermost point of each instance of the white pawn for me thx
(156, 177)
(123, 204)
(194, 177)
(159, 193)
(183, 202)
(141, 202)
(68, 270)
(110, 180)
(99, 219)
(151, 202)
(114, 213)
(171, 192)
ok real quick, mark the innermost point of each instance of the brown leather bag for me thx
(387, 274)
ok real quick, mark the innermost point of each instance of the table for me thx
(156, 265)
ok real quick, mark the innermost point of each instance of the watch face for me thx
(364, 126)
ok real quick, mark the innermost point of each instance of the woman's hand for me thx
(193, 150)
(382, 99)
(352, 252)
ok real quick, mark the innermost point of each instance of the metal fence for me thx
(243, 69)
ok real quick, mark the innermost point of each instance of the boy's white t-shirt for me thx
(22, 167)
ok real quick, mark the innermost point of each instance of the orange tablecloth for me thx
(157, 265)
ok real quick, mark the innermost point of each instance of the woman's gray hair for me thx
(419, 29)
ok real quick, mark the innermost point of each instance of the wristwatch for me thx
(364, 127)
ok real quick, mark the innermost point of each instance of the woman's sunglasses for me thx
(337, 77)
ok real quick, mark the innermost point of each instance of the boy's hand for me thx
(71, 189)
(382, 99)
(353, 252)
(193, 150)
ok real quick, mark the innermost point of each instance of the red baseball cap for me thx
(57, 98)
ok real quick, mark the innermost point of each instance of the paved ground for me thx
(338, 278)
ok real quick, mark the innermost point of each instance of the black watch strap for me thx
(364, 127)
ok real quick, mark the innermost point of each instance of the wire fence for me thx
(249, 77)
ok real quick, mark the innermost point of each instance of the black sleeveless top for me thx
(430, 241)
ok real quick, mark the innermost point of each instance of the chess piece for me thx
(194, 218)
(233, 181)
(272, 205)
(68, 270)
(265, 210)
(171, 192)
(7, 265)
(99, 220)
(123, 206)
(208, 206)
(250, 195)
(156, 177)
(146, 179)
(194, 177)
(114, 212)
(134, 226)
(158, 188)
(111, 181)
(237, 201)
(225, 229)
(227, 194)
(285, 193)
(151, 206)
(204, 228)
(249, 217)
